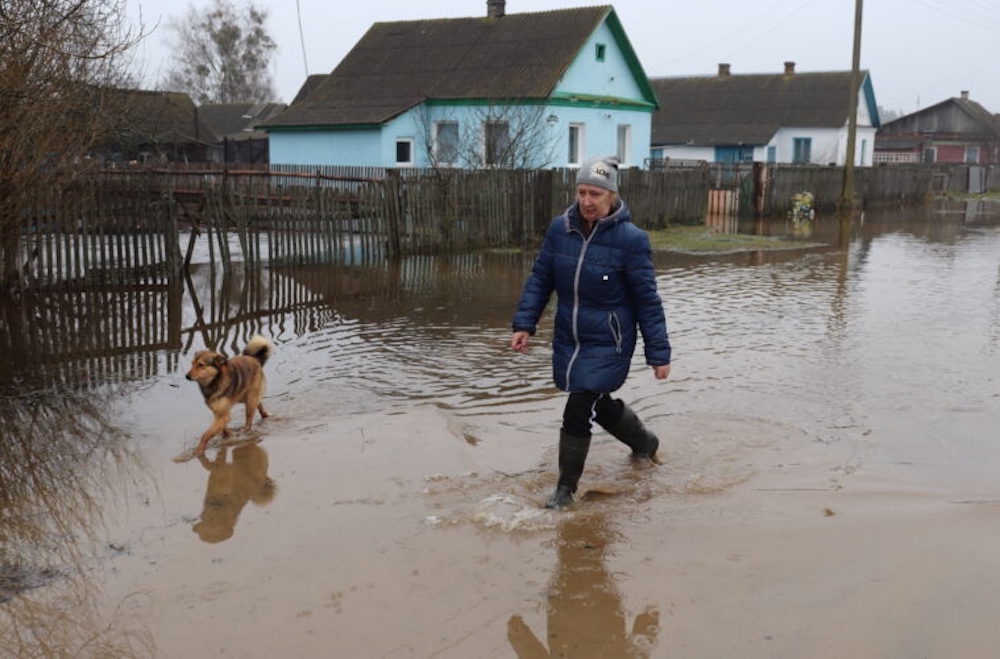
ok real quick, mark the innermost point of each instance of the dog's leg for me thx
(219, 425)
(263, 414)
(252, 404)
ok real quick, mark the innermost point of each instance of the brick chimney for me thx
(495, 8)
(723, 69)
(965, 94)
(789, 68)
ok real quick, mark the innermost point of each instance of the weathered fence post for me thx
(393, 187)
(542, 211)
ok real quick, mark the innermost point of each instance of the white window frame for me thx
(412, 144)
(624, 145)
(436, 145)
(575, 159)
(971, 151)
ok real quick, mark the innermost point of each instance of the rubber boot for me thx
(572, 456)
(636, 436)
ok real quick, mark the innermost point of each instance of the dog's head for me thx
(206, 366)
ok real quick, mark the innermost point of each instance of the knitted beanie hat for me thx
(599, 171)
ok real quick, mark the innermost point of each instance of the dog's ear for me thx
(219, 361)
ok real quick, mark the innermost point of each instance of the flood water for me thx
(830, 486)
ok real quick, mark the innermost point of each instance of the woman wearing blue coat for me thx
(600, 266)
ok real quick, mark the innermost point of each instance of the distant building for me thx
(521, 90)
(956, 130)
(234, 130)
(785, 118)
(151, 126)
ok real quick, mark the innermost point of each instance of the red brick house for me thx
(957, 130)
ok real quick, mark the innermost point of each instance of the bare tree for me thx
(222, 54)
(56, 57)
(495, 135)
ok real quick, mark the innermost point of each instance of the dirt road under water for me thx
(830, 486)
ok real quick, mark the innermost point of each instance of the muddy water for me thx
(829, 489)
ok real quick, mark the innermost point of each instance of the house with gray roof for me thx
(956, 130)
(788, 117)
(538, 89)
(234, 126)
(151, 126)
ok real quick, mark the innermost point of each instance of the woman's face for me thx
(594, 202)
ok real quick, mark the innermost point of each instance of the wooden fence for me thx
(124, 226)
(105, 230)
(300, 216)
(899, 184)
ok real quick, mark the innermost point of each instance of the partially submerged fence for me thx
(104, 230)
(126, 226)
(295, 217)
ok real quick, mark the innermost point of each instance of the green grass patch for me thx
(702, 239)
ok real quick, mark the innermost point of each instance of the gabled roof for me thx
(939, 118)
(309, 86)
(398, 65)
(747, 109)
(227, 119)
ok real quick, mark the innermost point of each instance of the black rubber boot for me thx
(572, 457)
(636, 436)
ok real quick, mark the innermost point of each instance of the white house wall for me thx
(706, 153)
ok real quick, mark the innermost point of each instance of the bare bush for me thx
(56, 58)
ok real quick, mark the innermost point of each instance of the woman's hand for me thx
(662, 372)
(519, 341)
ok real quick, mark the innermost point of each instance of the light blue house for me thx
(543, 89)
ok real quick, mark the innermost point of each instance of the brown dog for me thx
(225, 382)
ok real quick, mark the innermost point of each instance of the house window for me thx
(772, 154)
(575, 155)
(497, 134)
(446, 142)
(864, 150)
(624, 144)
(599, 52)
(930, 154)
(404, 151)
(972, 154)
(802, 150)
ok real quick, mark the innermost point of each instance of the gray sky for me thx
(919, 52)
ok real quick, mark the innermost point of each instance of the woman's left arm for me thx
(648, 305)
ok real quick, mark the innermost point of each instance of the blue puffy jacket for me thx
(606, 288)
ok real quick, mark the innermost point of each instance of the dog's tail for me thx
(259, 348)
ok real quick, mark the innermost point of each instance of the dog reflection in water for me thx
(230, 486)
(225, 382)
(585, 612)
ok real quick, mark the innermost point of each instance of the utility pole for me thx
(847, 191)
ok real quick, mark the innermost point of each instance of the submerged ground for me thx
(829, 488)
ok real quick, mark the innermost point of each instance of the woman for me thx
(600, 266)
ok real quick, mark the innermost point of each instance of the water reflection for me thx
(585, 616)
(61, 457)
(231, 485)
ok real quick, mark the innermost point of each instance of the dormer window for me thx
(599, 52)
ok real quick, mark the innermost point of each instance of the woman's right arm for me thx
(535, 296)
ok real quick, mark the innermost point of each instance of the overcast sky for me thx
(919, 52)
